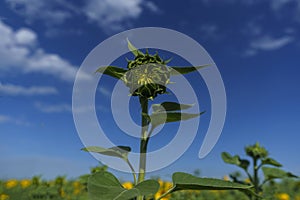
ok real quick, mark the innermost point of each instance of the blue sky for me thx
(255, 45)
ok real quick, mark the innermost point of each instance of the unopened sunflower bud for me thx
(147, 76)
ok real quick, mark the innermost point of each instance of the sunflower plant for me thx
(147, 76)
(261, 161)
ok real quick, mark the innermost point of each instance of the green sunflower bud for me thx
(147, 76)
(256, 151)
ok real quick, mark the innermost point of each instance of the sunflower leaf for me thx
(115, 72)
(186, 70)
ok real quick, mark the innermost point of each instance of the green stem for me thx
(132, 171)
(249, 176)
(144, 141)
(255, 177)
(166, 193)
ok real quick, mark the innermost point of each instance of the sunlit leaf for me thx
(186, 70)
(273, 173)
(118, 151)
(184, 181)
(158, 118)
(115, 72)
(271, 161)
(145, 188)
(170, 106)
(105, 186)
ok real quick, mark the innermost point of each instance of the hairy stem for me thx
(144, 140)
(255, 177)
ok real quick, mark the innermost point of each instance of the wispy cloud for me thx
(9, 119)
(54, 108)
(17, 53)
(267, 43)
(63, 107)
(49, 11)
(151, 6)
(110, 15)
(210, 31)
(4, 118)
(16, 90)
(104, 91)
(276, 5)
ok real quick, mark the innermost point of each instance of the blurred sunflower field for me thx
(62, 189)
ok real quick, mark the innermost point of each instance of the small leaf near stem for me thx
(117, 151)
(115, 72)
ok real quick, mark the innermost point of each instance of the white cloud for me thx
(8, 119)
(15, 90)
(268, 43)
(50, 11)
(151, 6)
(63, 107)
(210, 31)
(278, 4)
(4, 118)
(55, 108)
(292, 6)
(25, 36)
(110, 13)
(104, 91)
(17, 53)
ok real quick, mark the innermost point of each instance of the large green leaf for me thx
(145, 188)
(170, 106)
(186, 70)
(127, 194)
(133, 49)
(105, 186)
(118, 151)
(270, 161)
(148, 187)
(115, 72)
(158, 118)
(184, 181)
(273, 173)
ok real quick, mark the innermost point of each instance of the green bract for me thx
(147, 80)
(146, 75)
(256, 151)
